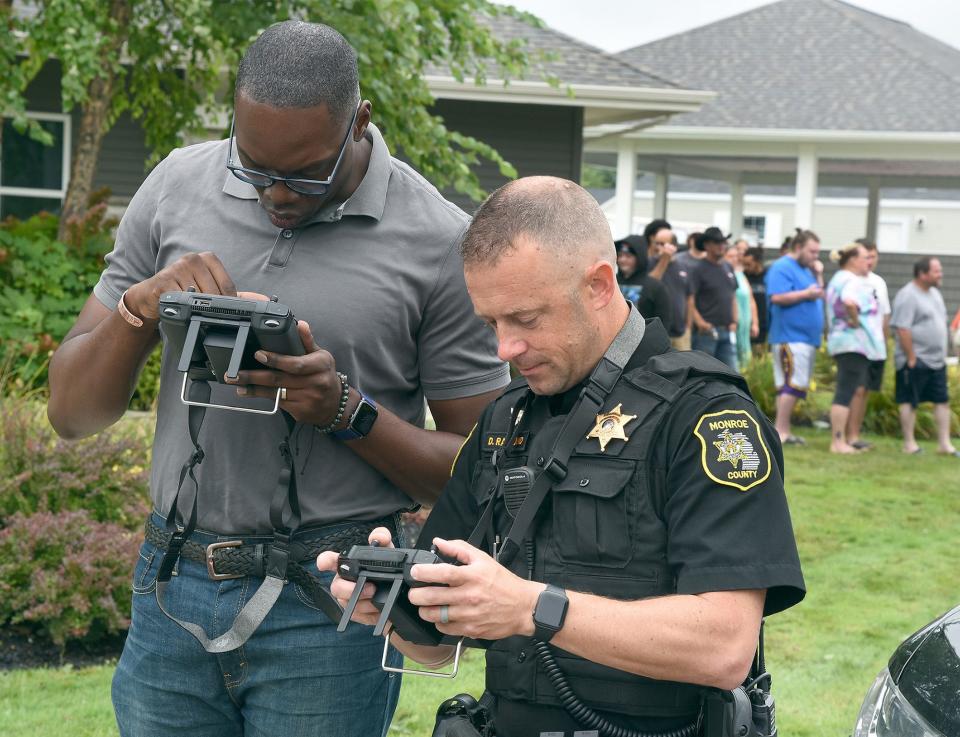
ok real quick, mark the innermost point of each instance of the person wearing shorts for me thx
(920, 324)
(793, 368)
(855, 337)
(858, 407)
(794, 287)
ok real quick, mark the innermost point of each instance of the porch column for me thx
(736, 209)
(660, 195)
(806, 188)
(873, 209)
(626, 183)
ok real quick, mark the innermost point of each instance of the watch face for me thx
(551, 609)
(364, 417)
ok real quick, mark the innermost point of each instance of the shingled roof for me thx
(572, 61)
(811, 64)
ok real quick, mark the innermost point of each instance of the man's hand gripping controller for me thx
(389, 570)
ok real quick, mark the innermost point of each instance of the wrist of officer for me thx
(528, 605)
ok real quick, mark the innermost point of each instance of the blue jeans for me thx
(720, 347)
(295, 676)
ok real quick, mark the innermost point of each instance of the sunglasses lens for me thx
(252, 177)
(307, 186)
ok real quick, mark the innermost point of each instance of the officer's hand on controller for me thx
(202, 271)
(313, 388)
(366, 612)
(483, 599)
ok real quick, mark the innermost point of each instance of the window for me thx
(33, 177)
(756, 226)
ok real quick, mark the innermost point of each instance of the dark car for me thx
(918, 693)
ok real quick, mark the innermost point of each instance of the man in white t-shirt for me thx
(858, 405)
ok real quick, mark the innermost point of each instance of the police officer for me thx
(665, 536)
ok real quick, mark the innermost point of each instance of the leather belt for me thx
(228, 559)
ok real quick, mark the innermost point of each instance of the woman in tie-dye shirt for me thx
(855, 335)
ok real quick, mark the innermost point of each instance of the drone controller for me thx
(389, 570)
(219, 335)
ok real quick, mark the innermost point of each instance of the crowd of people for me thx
(724, 300)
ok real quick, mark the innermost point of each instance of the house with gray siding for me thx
(535, 125)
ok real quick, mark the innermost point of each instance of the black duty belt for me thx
(228, 559)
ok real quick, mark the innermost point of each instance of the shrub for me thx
(66, 575)
(45, 282)
(105, 475)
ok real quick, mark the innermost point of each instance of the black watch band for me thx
(549, 613)
(361, 421)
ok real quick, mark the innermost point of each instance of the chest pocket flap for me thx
(590, 512)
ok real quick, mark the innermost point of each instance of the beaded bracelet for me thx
(344, 396)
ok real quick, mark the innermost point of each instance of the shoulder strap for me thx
(601, 382)
(285, 496)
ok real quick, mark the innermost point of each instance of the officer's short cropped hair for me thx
(922, 265)
(297, 65)
(556, 213)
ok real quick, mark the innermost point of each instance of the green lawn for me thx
(877, 536)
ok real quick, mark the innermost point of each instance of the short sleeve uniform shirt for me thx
(726, 515)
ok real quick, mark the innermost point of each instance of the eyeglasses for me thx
(312, 187)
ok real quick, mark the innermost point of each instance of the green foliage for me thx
(43, 285)
(148, 385)
(70, 515)
(105, 475)
(176, 51)
(66, 574)
(882, 415)
(597, 177)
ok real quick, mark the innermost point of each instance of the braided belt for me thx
(232, 559)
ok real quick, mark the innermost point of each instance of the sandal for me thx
(861, 444)
(793, 440)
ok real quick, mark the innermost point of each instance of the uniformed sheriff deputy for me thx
(654, 556)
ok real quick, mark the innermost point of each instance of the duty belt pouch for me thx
(277, 556)
(464, 716)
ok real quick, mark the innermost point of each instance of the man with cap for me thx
(713, 302)
(648, 294)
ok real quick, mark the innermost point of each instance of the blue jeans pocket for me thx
(145, 573)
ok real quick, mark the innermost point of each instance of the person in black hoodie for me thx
(647, 293)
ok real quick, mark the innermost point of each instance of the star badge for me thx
(730, 446)
(610, 426)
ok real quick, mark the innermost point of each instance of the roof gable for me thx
(812, 64)
(570, 60)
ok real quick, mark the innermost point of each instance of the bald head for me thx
(557, 214)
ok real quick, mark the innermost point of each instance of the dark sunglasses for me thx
(312, 187)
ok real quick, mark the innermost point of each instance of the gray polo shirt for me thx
(923, 313)
(380, 281)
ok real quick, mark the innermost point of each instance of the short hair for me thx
(756, 253)
(294, 64)
(867, 243)
(801, 237)
(922, 265)
(654, 227)
(554, 212)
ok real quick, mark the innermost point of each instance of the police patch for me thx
(733, 451)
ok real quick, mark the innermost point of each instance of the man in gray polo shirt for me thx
(313, 209)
